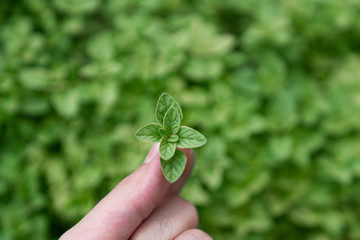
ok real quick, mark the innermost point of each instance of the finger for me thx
(177, 186)
(170, 219)
(127, 205)
(193, 234)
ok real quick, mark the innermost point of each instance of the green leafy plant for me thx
(169, 132)
(284, 112)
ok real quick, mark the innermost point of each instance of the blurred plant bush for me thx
(274, 85)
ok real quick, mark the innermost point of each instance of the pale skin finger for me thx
(193, 234)
(170, 219)
(129, 203)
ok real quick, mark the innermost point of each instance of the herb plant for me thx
(169, 132)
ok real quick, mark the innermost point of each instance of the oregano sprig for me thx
(169, 132)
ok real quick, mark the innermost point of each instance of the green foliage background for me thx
(274, 86)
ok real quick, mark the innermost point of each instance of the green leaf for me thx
(164, 103)
(164, 133)
(167, 148)
(67, 103)
(149, 133)
(173, 138)
(190, 138)
(172, 121)
(101, 46)
(174, 167)
(77, 6)
(34, 78)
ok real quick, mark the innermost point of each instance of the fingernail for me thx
(152, 153)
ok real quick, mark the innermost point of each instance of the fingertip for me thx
(152, 153)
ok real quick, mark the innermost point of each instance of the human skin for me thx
(142, 206)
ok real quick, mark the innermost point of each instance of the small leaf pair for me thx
(169, 132)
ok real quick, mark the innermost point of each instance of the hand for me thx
(143, 206)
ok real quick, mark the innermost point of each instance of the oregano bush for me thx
(274, 85)
(169, 132)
